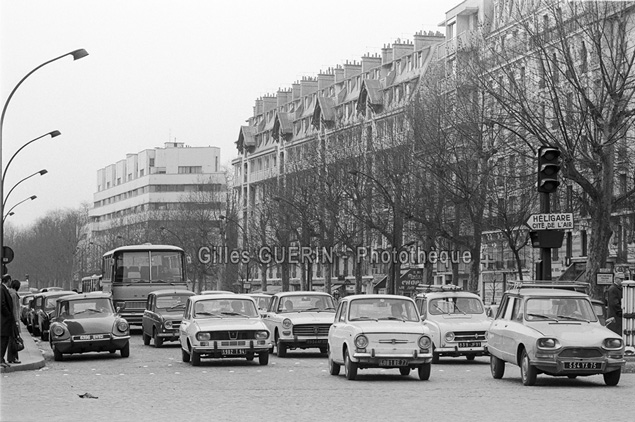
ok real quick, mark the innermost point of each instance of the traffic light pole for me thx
(545, 253)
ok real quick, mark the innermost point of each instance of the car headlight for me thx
(286, 323)
(548, 343)
(57, 330)
(612, 343)
(449, 336)
(361, 341)
(203, 336)
(425, 342)
(122, 326)
(168, 324)
(262, 335)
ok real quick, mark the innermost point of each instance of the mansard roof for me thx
(246, 138)
(371, 93)
(324, 111)
(282, 125)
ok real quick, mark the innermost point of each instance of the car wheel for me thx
(196, 358)
(405, 370)
(263, 358)
(324, 350)
(158, 341)
(250, 357)
(528, 372)
(612, 378)
(424, 371)
(334, 368)
(44, 336)
(350, 367)
(497, 366)
(470, 357)
(282, 349)
(57, 355)
(125, 351)
(35, 330)
(185, 356)
(146, 339)
(435, 356)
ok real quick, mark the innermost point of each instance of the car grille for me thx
(232, 335)
(134, 305)
(469, 336)
(579, 352)
(311, 330)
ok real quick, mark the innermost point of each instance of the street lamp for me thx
(12, 208)
(77, 54)
(41, 173)
(222, 217)
(396, 234)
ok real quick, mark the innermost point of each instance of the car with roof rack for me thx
(457, 321)
(162, 316)
(554, 332)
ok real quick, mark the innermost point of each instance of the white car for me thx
(457, 321)
(300, 320)
(379, 331)
(223, 326)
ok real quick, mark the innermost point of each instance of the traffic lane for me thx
(154, 384)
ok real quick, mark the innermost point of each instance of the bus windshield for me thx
(148, 267)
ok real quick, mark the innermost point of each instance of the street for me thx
(153, 384)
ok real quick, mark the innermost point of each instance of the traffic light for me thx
(548, 168)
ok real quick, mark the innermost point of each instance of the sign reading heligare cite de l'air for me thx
(551, 221)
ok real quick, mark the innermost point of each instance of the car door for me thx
(185, 323)
(147, 320)
(508, 329)
(336, 331)
(270, 316)
(495, 335)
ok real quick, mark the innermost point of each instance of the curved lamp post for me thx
(77, 54)
(13, 207)
(41, 173)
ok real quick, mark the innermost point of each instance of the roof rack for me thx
(438, 288)
(578, 286)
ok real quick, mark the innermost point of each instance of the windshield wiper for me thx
(542, 316)
(364, 318)
(572, 318)
(208, 314)
(180, 305)
(233, 313)
(394, 318)
(442, 311)
(459, 309)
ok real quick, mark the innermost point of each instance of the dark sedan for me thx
(88, 323)
(41, 310)
(163, 314)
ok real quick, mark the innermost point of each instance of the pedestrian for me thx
(7, 319)
(614, 307)
(12, 352)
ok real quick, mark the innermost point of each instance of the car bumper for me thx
(455, 350)
(304, 342)
(169, 335)
(391, 360)
(215, 351)
(81, 346)
(578, 366)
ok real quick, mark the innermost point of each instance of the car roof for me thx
(375, 296)
(166, 292)
(88, 295)
(448, 293)
(56, 293)
(301, 293)
(226, 296)
(579, 286)
(216, 292)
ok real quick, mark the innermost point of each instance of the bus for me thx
(131, 272)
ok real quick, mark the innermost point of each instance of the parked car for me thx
(457, 321)
(162, 316)
(25, 304)
(554, 332)
(262, 301)
(223, 326)
(88, 322)
(600, 310)
(379, 331)
(41, 309)
(300, 320)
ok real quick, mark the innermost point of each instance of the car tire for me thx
(404, 370)
(185, 356)
(497, 367)
(35, 330)
(612, 378)
(196, 358)
(57, 355)
(424, 371)
(158, 341)
(250, 357)
(350, 367)
(334, 368)
(324, 350)
(44, 336)
(435, 356)
(263, 358)
(528, 372)
(470, 357)
(282, 349)
(146, 339)
(125, 351)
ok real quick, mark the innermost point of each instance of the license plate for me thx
(470, 344)
(316, 341)
(393, 362)
(232, 352)
(582, 365)
(92, 337)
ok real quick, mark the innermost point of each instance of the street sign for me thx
(411, 278)
(7, 254)
(551, 221)
(603, 278)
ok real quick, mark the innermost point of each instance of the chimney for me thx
(283, 97)
(258, 107)
(352, 69)
(423, 40)
(308, 86)
(325, 79)
(339, 73)
(386, 54)
(401, 48)
(269, 102)
(370, 62)
(295, 87)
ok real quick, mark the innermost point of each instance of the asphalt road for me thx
(154, 385)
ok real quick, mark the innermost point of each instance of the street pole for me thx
(545, 253)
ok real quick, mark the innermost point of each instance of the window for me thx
(190, 169)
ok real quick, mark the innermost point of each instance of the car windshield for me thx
(563, 308)
(382, 308)
(456, 305)
(263, 302)
(49, 303)
(86, 308)
(304, 303)
(225, 307)
(172, 302)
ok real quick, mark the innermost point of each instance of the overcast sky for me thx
(158, 71)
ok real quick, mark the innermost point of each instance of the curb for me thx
(31, 357)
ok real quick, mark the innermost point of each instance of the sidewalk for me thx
(30, 357)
